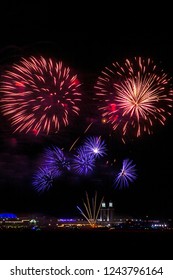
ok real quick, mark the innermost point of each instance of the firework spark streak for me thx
(40, 95)
(74, 143)
(127, 174)
(134, 96)
(92, 210)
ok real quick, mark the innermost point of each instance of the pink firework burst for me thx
(40, 95)
(134, 96)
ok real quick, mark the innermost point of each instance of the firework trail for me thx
(39, 95)
(76, 140)
(92, 209)
(126, 175)
(134, 96)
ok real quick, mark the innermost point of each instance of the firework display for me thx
(134, 96)
(57, 162)
(86, 132)
(126, 175)
(39, 95)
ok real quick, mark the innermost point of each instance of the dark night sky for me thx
(88, 45)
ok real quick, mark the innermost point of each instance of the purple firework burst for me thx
(55, 160)
(126, 175)
(43, 179)
(83, 162)
(96, 146)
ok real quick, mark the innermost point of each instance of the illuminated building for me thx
(107, 212)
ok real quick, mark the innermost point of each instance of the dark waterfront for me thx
(88, 244)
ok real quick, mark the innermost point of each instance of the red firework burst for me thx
(134, 96)
(39, 95)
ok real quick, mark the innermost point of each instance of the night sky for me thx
(87, 46)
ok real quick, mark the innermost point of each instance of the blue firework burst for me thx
(55, 160)
(43, 179)
(94, 145)
(126, 175)
(83, 162)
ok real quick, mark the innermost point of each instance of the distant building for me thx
(107, 213)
